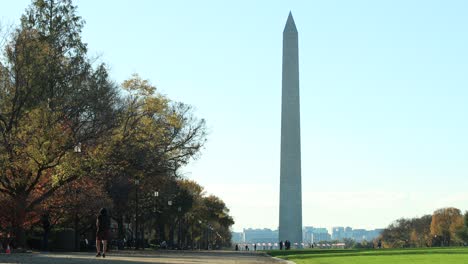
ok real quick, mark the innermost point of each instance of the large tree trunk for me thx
(120, 223)
(162, 232)
(171, 235)
(77, 233)
(18, 221)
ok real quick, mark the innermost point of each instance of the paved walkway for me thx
(158, 257)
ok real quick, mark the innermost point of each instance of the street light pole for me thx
(179, 239)
(76, 149)
(156, 195)
(171, 229)
(136, 214)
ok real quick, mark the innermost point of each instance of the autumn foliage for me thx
(73, 141)
(445, 227)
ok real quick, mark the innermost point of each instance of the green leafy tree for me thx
(463, 232)
(154, 138)
(51, 102)
(414, 232)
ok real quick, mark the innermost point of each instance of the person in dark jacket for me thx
(46, 225)
(102, 232)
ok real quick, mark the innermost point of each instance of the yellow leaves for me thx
(139, 86)
(414, 235)
(39, 142)
(457, 224)
(69, 167)
(446, 222)
(155, 104)
(175, 120)
(151, 118)
(41, 133)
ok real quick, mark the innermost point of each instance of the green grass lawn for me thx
(377, 256)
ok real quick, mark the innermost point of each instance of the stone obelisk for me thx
(290, 214)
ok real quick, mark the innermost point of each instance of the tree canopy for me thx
(445, 227)
(68, 134)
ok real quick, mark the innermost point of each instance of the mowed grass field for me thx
(375, 256)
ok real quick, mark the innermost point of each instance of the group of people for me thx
(286, 245)
(246, 247)
(266, 246)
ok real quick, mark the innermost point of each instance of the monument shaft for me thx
(290, 214)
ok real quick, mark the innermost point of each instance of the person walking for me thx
(46, 226)
(102, 233)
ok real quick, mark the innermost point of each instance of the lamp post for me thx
(171, 230)
(137, 182)
(179, 239)
(201, 234)
(77, 150)
(210, 232)
(156, 195)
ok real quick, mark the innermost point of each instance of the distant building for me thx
(260, 235)
(348, 232)
(358, 235)
(237, 237)
(310, 234)
(338, 233)
(314, 235)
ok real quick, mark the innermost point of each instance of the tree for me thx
(421, 231)
(153, 139)
(51, 102)
(67, 136)
(397, 234)
(217, 215)
(349, 242)
(77, 204)
(463, 232)
(445, 223)
(414, 232)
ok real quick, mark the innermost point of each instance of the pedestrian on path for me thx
(102, 233)
(46, 226)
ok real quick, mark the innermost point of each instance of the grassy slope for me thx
(383, 256)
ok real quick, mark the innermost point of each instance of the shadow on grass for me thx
(322, 253)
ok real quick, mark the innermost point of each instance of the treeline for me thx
(73, 141)
(445, 227)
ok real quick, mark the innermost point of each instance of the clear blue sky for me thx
(384, 98)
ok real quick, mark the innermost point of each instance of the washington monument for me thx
(290, 214)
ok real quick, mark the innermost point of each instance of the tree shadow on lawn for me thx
(307, 254)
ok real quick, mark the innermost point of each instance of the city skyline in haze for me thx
(383, 89)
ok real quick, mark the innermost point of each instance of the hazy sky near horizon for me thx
(384, 98)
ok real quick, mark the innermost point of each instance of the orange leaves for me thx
(445, 223)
